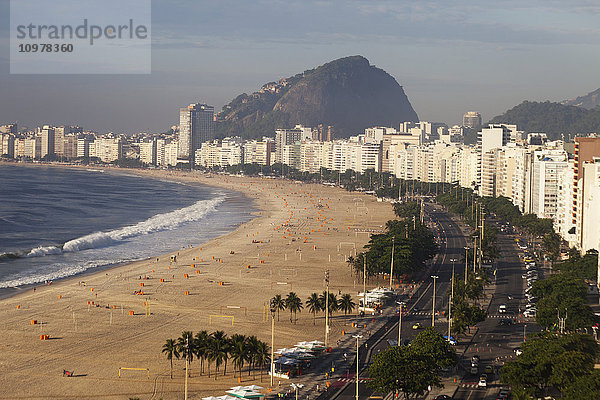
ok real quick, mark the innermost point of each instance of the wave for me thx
(156, 223)
(64, 271)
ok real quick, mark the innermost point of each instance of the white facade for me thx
(590, 213)
(547, 167)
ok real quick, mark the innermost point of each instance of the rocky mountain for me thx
(349, 94)
(551, 118)
(589, 101)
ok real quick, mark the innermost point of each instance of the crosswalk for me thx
(364, 380)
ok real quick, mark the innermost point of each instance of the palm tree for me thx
(170, 347)
(238, 350)
(333, 302)
(252, 343)
(201, 342)
(219, 350)
(262, 356)
(346, 304)
(294, 304)
(185, 346)
(279, 304)
(314, 305)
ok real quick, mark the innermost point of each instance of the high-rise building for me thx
(47, 134)
(590, 209)
(488, 141)
(286, 137)
(472, 119)
(586, 148)
(196, 126)
(547, 166)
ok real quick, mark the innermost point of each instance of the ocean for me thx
(60, 222)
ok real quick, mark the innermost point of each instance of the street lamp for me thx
(326, 307)
(296, 386)
(392, 264)
(466, 263)
(451, 298)
(357, 337)
(187, 350)
(401, 304)
(273, 309)
(433, 301)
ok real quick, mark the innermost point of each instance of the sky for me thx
(451, 56)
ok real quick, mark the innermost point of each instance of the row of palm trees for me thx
(315, 304)
(217, 348)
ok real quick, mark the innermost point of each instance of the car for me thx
(502, 308)
(505, 322)
(518, 351)
(450, 340)
(504, 394)
(529, 313)
(474, 370)
(489, 369)
(509, 296)
(475, 359)
(443, 397)
(482, 381)
(417, 325)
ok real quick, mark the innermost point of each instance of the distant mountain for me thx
(589, 101)
(348, 94)
(551, 118)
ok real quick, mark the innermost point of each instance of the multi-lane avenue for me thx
(494, 340)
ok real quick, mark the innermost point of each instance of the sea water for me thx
(59, 222)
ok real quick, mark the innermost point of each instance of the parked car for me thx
(417, 325)
(489, 369)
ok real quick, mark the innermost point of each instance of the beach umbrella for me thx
(210, 398)
(238, 388)
(226, 397)
(243, 394)
(253, 387)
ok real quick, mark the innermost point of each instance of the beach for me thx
(225, 284)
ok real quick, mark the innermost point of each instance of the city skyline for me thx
(486, 57)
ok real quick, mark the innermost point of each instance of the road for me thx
(419, 308)
(493, 343)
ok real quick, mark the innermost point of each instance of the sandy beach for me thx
(300, 231)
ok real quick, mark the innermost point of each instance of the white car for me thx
(482, 381)
(502, 308)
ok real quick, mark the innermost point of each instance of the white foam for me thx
(63, 271)
(159, 222)
(43, 251)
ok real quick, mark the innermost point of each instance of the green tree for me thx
(185, 347)
(332, 302)
(238, 350)
(170, 348)
(313, 304)
(262, 356)
(346, 304)
(550, 361)
(294, 304)
(201, 342)
(411, 369)
(584, 387)
(279, 304)
(219, 350)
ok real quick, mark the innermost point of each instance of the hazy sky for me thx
(450, 57)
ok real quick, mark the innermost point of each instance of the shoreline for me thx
(9, 292)
(299, 231)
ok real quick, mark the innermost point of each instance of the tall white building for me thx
(547, 167)
(257, 152)
(590, 211)
(287, 137)
(196, 126)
